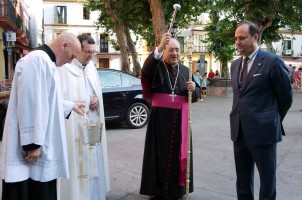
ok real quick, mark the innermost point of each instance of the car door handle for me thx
(124, 94)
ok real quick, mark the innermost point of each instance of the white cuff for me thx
(68, 106)
(157, 55)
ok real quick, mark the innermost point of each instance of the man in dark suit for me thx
(262, 97)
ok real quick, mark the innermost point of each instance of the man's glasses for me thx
(90, 52)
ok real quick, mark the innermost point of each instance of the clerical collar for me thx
(49, 52)
(168, 65)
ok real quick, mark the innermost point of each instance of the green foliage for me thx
(269, 15)
(137, 17)
(19, 22)
(188, 13)
(220, 37)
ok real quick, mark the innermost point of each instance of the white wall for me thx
(296, 44)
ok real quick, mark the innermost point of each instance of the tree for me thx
(162, 11)
(220, 40)
(118, 16)
(148, 18)
(269, 15)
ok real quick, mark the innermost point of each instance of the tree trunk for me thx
(119, 30)
(262, 24)
(270, 47)
(136, 64)
(265, 20)
(225, 69)
(158, 19)
(122, 42)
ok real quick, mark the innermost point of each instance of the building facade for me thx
(14, 35)
(73, 16)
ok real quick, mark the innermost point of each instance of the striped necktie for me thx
(243, 71)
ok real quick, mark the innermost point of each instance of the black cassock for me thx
(29, 190)
(160, 173)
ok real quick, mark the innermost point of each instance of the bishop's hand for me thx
(191, 86)
(164, 42)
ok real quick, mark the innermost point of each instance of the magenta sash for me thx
(180, 103)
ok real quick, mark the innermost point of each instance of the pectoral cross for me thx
(172, 95)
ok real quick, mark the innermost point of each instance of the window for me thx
(136, 81)
(181, 43)
(104, 43)
(86, 13)
(126, 80)
(109, 79)
(60, 14)
(287, 47)
(114, 79)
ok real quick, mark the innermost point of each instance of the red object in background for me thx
(211, 75)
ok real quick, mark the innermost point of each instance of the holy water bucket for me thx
(91, 132)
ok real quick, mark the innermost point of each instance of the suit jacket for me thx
(263, 100)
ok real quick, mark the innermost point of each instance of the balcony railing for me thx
(201, 49)
(7, 11)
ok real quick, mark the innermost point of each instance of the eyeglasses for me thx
(90, 52)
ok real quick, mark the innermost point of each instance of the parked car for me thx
(123, 98)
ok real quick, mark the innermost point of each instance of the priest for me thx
(88, 164)
(166, 82)
(34, 153)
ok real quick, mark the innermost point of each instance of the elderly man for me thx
(165, 81)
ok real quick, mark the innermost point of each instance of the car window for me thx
(126, 80)
(110, 79)
(136, 81)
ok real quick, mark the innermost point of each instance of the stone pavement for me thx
(214, 170)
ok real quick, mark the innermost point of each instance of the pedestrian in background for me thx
(197, 79)
(34, 152)
(297, 77)
(204, 83)
(262, 96)
(217, 75)
(88, 164)
(211, 77)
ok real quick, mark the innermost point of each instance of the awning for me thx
(293, 61)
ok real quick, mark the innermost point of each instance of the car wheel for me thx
(137, 115)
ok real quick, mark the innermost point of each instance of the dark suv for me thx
(123, 98)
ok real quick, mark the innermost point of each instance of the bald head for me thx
(172, 52)
(65, 47)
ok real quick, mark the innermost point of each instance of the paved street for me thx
(214, 171)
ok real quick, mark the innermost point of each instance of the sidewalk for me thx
(214, 169)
